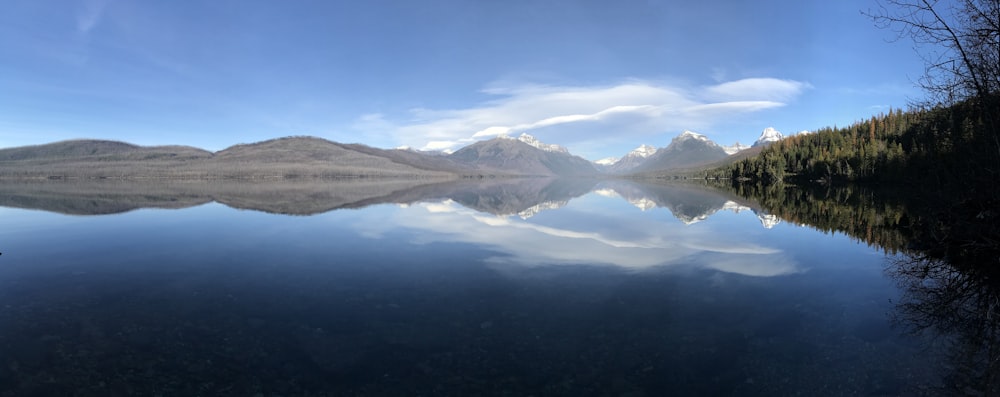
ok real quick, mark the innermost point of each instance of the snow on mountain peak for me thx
(735, 148)
(538, 144)
(768, 136)
(692, 135)
(689, 135)
(643, 151)
(606, 161)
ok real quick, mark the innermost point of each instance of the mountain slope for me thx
(99, 150)
(530, 140)
(506, 155)
(687, 150)
(632, 160)
(310, 156)
(430, 161)
(284, 157)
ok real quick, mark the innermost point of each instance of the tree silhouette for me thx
(959, 42)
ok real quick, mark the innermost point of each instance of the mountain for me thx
(687, 150)
(514, 156)
(605, 163)
(316, 157)
(631, 160)
(735, 148)
(99, 150)
(530, 140)
(276, 158)
(425, 160)
(768, 136)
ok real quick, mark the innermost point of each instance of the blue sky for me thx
(599, 77)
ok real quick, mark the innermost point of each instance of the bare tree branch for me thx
(959, 42)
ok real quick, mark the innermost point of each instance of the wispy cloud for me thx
(585, 115)
(756, 90)
(90, 15)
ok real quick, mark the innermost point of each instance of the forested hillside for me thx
(949, 141)
(944, 146)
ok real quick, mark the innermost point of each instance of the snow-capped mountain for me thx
(539, 144)
(606, 161)
(693, 135)
(515, 156)
(642, 151)
(631, 160)
(768, 136)
(735, 148)
(689, 149)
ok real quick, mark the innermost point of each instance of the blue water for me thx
(590, 295)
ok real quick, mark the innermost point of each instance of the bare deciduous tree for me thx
(958, 40)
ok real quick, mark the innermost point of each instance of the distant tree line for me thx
(949, 140)
(945, 146)
(929, 185)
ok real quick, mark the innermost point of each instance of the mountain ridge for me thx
(687, 150)
(308, 156)
(504, 154)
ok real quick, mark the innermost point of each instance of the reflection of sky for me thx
(593, 229)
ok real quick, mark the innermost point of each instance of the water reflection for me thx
(525, 287)
(493, 213)
(524, 197)
(689, 202)
(944, 255)
(960, 308)
(637, 244)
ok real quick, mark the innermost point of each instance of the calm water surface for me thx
(589, 288)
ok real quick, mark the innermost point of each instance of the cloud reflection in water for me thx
(635, 242)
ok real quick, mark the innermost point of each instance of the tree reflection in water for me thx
(960, 308)
(944, 254)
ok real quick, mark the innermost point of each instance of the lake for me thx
(501, 287)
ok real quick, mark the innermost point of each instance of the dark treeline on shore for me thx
(954, 146)
(927, 176)
(921, 184)
(947, 264)
(942, 164)
(947, 148)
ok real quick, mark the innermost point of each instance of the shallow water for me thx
(514, 288)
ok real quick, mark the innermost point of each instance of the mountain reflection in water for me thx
(524, 197)
(491, 287)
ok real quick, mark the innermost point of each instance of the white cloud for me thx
(756, 265)
(756, 89)
(584, 115)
